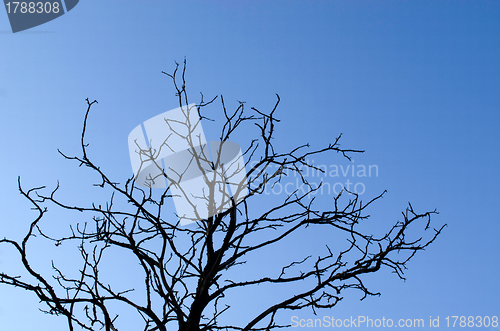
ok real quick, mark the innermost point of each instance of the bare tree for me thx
(189, 270)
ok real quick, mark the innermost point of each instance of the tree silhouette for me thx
(190, 272)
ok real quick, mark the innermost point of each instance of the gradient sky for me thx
(414, 83)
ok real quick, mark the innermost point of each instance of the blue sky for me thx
(414, 83)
